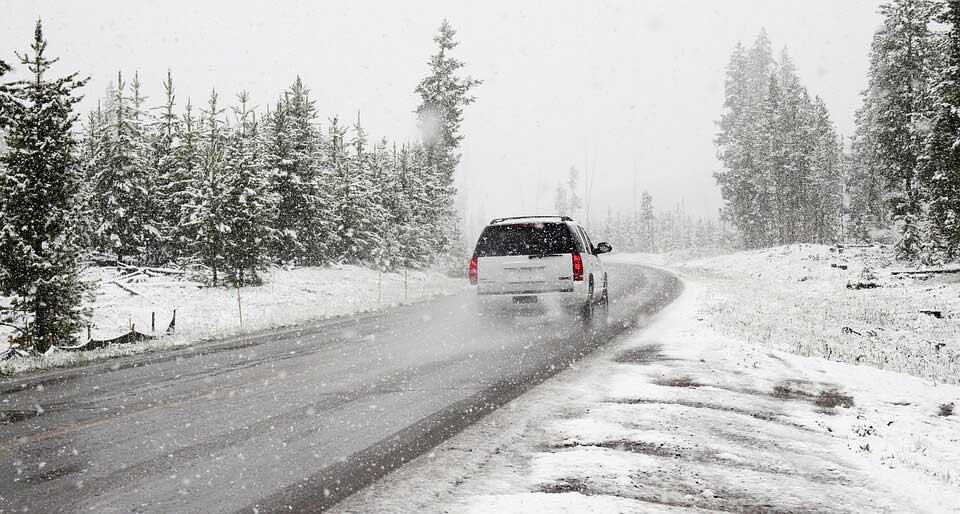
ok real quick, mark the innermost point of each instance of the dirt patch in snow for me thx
(683, 381)
(757, 414)
(828, 397)
(646, 354)
(833, 398)
(567, 485)
(679, 495)
(704, 455)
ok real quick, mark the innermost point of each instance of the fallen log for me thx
(175, 283)
(125, 288)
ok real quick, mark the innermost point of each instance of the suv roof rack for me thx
(498, 220)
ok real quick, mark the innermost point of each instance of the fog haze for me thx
(625, 91)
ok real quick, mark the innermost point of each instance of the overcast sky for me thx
(628, 89)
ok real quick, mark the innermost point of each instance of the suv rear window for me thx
(524, 239)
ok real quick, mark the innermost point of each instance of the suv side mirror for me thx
(603, 248)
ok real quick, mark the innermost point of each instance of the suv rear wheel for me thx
(586, 310)
(602, 311)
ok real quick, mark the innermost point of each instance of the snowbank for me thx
(841, 304)
(287, 297)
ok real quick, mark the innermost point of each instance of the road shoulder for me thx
(678, 417)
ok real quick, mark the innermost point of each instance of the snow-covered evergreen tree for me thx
(941, 163)
(205, 195)
(647, 243)
(900, 63)
(824, 196)
(121, 181)
(737, 144)
(171, 179)
(444, 93)
(91, 148)
(387, 193)
(40, 175)
(294, 159)
(419, 240)
(865, 184)
(779, 153)
(248, 207)
(6, 101)
(357, 212)
(148, 205)
(178, 191)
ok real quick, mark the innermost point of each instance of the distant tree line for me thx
(904, 163)
(641, 229)
(782, 159)
(644, 229)
(233, 190)
(228, 189)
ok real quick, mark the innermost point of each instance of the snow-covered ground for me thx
(688, 416)
(287, 297)
(796, 298)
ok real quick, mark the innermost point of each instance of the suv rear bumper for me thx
(525, 293)
(562, 298)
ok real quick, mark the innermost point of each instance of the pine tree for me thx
(121, 181)
(356, 212)
(294, 158)
(148, 204)
(900, 62)
(573, 180)
(369, 212)
(178, 190)
(90, 155)
(39, 184)
(561, 203)
(741, 181)
(825, 195)
(865, 183)
(648, 243)
(247, 205)
(419, 240)
(942, 145)
(170, 181)
(770, 175)
(205, 205)
(6, 100)
(794, 182)
(779, 153)
(444, 94)
(387, 193)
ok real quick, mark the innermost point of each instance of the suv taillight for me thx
(473, 271)
(577, 267)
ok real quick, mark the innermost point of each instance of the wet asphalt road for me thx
(288, 420)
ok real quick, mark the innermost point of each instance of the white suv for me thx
(540, 259)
